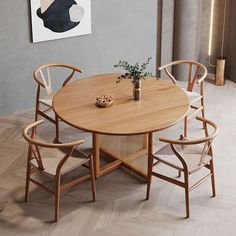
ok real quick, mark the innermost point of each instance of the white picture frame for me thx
(57, 19)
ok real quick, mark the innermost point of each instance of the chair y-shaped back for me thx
(63, 160)
(187, 156)
(196, 74)
(42, 76)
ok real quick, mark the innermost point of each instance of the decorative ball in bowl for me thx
(104, 101)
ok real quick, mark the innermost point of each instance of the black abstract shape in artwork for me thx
(57, 16)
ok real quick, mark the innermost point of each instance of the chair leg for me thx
(57, 197)
(186, 180)
(148, 187)
(36, 119)
(57, 129)
(150, 164)
(149, 177)
(212, 178)
(179, 174)
(185, 126)
(27, 182)
(93, 187)
(203, 111)
(28, 172)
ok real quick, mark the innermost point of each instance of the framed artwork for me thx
(56, 19)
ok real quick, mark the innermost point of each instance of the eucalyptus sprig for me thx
(134, 72)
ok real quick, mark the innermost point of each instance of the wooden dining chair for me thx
(187, 156)
(196, 74)
(45, 92)
(56, 164)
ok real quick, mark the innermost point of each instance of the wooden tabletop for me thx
(162, 104)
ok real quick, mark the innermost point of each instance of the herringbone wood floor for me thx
(120, 208)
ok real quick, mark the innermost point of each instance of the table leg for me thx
(150, 163)
(96, 155)
(145, 141)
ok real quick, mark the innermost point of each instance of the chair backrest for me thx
(206, 141)
(36, 145)
(42, 75)
(197, 72)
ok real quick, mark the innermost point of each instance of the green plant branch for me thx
(134, 72)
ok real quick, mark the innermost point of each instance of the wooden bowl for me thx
(104, 101)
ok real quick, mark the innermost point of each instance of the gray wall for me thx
(120, 30)
(167, 31)
(189, 32)
(217, 31)
(186, 29)
(230, 33)
(181, 21)
(186, 34)
(231, 40)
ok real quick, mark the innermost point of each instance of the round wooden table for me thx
(162, 105)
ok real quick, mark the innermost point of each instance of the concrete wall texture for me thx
(186, 34)
(190, 33)
(217, 30)
(120, 30)
(231, 45)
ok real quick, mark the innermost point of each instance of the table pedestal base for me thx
(128, 151)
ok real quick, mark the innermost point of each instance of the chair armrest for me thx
(38, 81)
(186, 142)
(71, 75)
(34, 141)
(195, 141)
(171, 77)
(203, 77)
